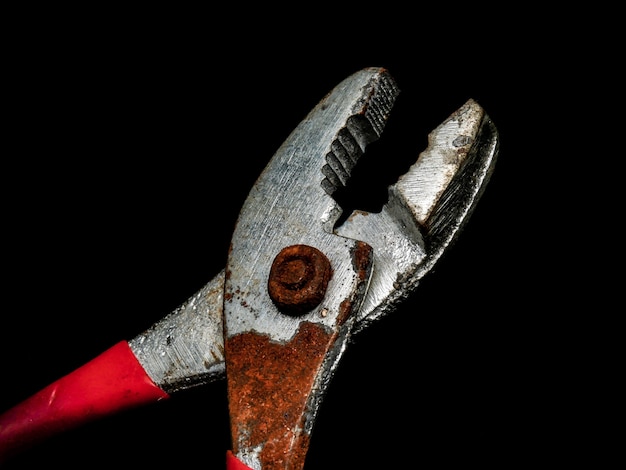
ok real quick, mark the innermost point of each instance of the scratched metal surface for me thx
(136, 205)
(427, 208)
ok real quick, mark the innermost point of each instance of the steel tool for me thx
(297, 286)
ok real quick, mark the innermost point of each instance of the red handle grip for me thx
(233, 463)
(111, 382)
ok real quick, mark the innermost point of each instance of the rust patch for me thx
(362, 260)
(298, 279)
(362, 263)
(344, 311)
(269, 385)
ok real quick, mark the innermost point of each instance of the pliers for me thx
(297, 286)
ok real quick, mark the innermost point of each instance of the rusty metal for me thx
(299, 278)
(270, 389)
(273, 387)
(279, 365)
(291, 204)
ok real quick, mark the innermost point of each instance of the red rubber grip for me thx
(233, 463)
(111, 382)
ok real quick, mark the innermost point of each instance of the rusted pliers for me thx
(297, 286)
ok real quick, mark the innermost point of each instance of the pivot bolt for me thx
(298, 279)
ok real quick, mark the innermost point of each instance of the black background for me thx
(134, 142)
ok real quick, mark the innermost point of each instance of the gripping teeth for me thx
(363, 127)
(382, 101)
(344, 153)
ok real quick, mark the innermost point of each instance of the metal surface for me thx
(278, 365)
(281, 353)
(426, 209)
(185, 348)
(291, 203)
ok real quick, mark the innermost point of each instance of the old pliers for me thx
(296, 287)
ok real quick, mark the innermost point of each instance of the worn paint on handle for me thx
(233, 463)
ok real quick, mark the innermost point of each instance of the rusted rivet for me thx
(298, 279)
